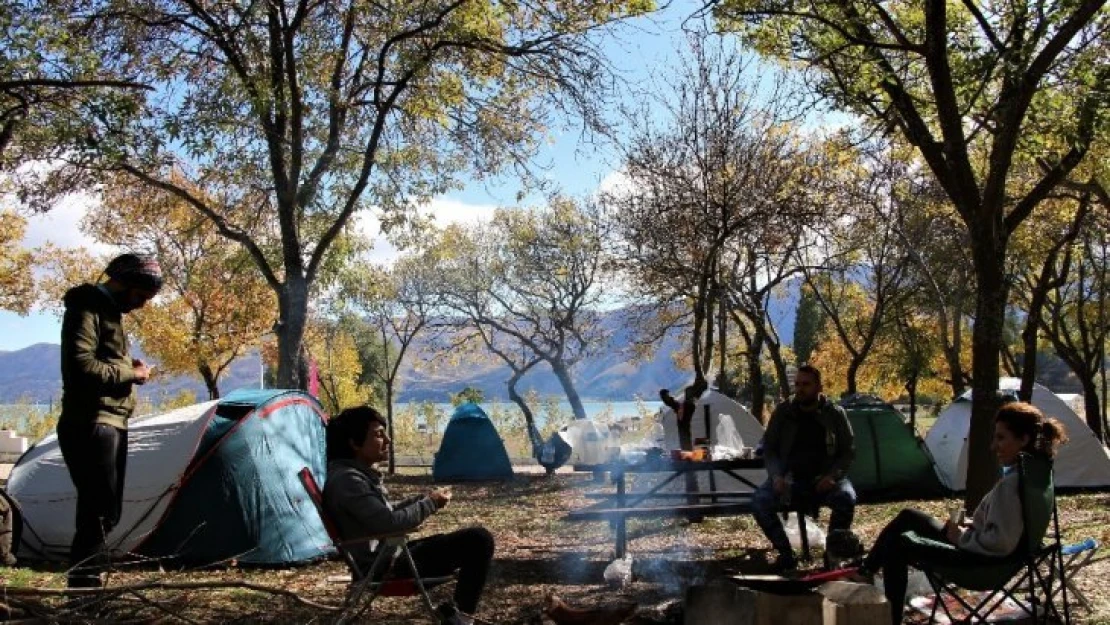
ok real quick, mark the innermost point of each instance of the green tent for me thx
(891, 461)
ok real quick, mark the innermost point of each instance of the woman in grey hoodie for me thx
(997, 525)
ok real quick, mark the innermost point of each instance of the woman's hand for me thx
(952, 532)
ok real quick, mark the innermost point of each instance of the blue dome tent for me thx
(471, 449)
(205, 483)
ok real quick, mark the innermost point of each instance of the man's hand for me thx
(825, 484)
(952, 532)
(440, 497)
(779, 484)
(142, 371)
(664, 394)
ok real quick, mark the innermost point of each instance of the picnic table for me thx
(618, 506)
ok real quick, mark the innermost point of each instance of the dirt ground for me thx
(538, 553)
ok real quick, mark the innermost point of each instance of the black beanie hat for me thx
(136, 270)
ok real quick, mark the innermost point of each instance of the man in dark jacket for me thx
(98, 397)
(808, 448)
(358, 504)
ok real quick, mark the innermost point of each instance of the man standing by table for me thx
(808, 448)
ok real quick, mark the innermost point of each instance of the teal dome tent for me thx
(471, 449)
(205, 483)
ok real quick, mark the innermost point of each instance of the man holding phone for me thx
(98, 397)
(358, 502)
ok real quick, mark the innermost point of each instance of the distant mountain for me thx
(33, 373)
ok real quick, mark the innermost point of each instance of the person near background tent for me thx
(357, 500)
(996, 527)
(808, 449)
(98, 398)
(684, 417)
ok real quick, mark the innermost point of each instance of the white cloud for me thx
(451, 211)
(62, 225)
(443, 210)
(615, 182)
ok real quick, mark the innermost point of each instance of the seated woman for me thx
(358, 503)
(997, 525)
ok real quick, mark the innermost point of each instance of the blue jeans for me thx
(841, 500)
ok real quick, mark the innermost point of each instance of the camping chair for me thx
(374, 582)
(1033, 566)
(1075, 557)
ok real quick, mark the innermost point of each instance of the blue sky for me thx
(643, 48)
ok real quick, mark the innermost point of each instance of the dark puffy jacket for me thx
(358, 503)
(840, 443)
(97, 375)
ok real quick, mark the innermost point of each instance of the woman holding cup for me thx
(995, 528)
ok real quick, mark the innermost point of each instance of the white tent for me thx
(720, 406)
(40, 482)
(1082, 462)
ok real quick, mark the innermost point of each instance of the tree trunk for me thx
(710, 324)
(1092, 408)
(958, 378)
(563, 375)
(529, 418)
(1007, 360)
(211, 383)
(1103, 294)
(853, 374)
(293, 317)
(389, 419)
(1029, 337)
(700, 320)
(723, 384)
(783, 376)
(990, 315)
(755, 374)
(911, 390)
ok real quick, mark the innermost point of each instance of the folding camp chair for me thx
(1036, 566)
(1075, 557)
(376, 580)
